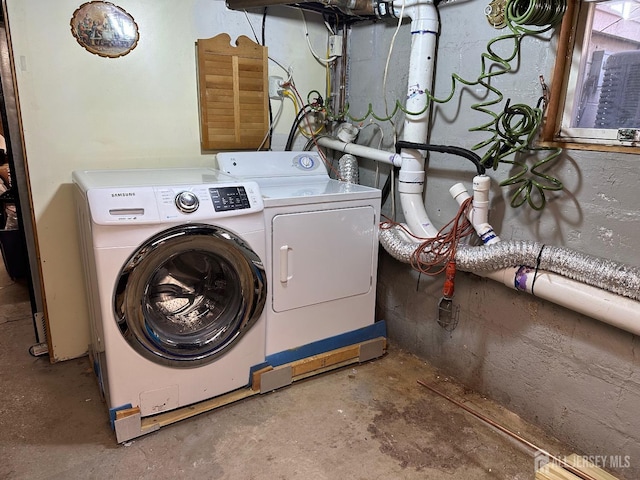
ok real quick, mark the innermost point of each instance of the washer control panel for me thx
(153, 204)
(208, 200)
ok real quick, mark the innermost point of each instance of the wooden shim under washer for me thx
(340, 355)
(129, 423)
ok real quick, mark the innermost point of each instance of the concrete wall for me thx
(82, 111)
(571, 374)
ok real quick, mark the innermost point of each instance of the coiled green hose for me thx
(513, 130)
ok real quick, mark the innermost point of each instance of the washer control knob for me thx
(187, 202)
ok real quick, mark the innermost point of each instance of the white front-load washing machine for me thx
(175, 282)
(322, 253)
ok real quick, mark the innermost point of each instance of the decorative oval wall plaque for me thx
(104, 29)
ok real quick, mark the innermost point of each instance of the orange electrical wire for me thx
(432, 256)
(391, 224)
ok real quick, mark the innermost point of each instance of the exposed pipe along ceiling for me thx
(602, 289)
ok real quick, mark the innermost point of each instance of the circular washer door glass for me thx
(188, 294)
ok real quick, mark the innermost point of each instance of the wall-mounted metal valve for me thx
(496, 13)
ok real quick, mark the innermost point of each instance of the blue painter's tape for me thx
(112, 414)
(375, 330)
(255, 368)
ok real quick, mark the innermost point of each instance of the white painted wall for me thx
(82, 111)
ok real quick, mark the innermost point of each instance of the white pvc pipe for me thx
(607, 307)
(479, 214)
(621, 312)
(361, 151)
(424, 28)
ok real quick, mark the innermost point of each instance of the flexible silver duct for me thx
(598, 272)
(348, 168)
(394, 241)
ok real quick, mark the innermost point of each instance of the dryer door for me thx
(188, 294)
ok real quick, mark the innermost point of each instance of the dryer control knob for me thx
(187, 202)
(305, 162)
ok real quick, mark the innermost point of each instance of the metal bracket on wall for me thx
(495, 13)
(629, 135)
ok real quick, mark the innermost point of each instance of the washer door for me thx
(188, 294)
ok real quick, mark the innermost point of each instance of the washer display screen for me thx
(229, 198)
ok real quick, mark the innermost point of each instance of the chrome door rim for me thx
(198, 327)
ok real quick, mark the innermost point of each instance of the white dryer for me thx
(175, 282)
(322, 251)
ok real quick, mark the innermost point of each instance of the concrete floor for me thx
(371, 421)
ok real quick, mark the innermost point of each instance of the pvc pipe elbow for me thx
(478, 218)
(415, 214)
(459, 193)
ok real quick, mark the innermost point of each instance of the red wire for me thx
(391, 224)
(442, 248)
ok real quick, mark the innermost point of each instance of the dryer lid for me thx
(292, 178)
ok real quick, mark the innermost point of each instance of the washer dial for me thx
(187, 202)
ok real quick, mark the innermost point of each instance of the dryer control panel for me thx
(303, 165)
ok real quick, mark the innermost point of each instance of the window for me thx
(598, 102)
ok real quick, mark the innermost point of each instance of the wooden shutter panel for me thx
(234, 93)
